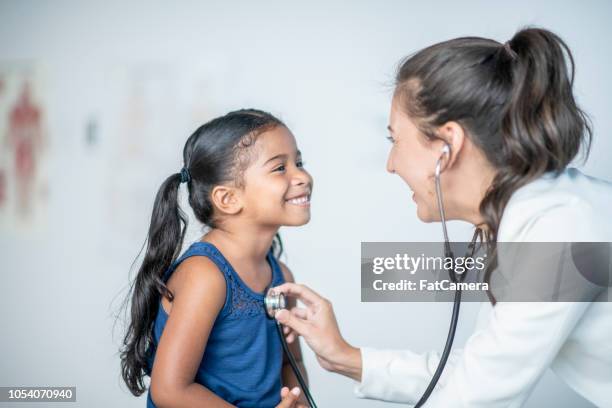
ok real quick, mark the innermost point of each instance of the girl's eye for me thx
(390, 139)
(282, 167)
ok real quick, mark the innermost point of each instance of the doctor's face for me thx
(413, 157)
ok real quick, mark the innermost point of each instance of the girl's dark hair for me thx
(513, 100)
(217, 152)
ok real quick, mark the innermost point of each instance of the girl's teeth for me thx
(299, 200)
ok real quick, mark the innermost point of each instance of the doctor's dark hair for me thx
(217, 152)
(513, 100)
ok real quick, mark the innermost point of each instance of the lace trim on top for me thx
(242, 301)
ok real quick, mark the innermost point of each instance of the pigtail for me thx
(164, 242)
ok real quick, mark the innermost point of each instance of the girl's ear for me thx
(226, 199)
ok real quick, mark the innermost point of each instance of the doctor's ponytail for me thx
(542, 127)
(513, 100)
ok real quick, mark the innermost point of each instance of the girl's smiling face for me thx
(277, 188)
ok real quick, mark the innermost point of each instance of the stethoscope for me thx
(273, 302)
(276, 301)
(454, 277)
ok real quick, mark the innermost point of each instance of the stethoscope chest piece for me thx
(273, 302)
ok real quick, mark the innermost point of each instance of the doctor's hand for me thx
(317, 324)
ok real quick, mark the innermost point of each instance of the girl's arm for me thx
(288, 376)
(199, 295)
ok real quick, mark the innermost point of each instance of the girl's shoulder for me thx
(193, 277)
(286, 272)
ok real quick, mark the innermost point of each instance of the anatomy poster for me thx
(24, 147)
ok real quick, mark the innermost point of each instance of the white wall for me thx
(324, 67)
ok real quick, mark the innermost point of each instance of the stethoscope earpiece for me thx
(445, 152)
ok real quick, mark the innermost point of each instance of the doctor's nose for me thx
(390, 167)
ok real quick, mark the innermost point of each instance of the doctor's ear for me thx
(449, 144)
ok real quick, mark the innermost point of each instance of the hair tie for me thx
(510, 51)
(185, 176)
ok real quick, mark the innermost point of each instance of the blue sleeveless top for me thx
(243, 357)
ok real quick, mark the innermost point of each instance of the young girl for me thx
(198, 324)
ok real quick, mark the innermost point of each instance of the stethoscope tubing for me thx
(457, 300)
(447, 349)
(294, 366)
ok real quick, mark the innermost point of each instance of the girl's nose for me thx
(301, 178)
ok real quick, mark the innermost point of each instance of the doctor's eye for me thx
(390, 139)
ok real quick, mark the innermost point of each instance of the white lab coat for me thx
(514, 343)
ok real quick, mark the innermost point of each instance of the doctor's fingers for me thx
(308, 296)
(298, 312)
(300, 326)
(290, 334)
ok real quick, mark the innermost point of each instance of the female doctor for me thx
(508, 114)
